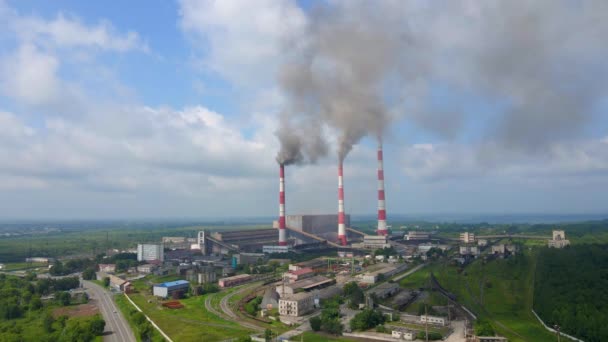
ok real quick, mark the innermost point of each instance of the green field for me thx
(192, 323)
(499, 290)
(126, 308)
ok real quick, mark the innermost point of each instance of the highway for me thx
(117, 328)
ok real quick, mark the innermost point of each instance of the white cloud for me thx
(71, 32)
(30, 76)
(241, 40)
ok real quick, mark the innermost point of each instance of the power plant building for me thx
(321, 225)
(150, 252)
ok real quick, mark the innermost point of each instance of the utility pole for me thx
(558, 334)
(426, 322)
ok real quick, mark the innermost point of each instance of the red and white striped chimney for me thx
(282, 231)
(382, 230)
(341, 216)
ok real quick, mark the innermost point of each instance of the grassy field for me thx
(126, 308)
(499, 290)
(192, 323)
(18, 266)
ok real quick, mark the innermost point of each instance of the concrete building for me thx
(558, 239)
(320, 225)
(247, 240)
(384, 272)
(375, 241)
(498, 249)
(482, 242)
(417, 235)
(146, 268)
(433, 320)
(490, 339)
(402, 333)
(150, 252)
(299, 274)
(248, 258)
(276, 249)
(385, 290)
(467, 237)
(43, 260)
(107, 268)
(165, 290)
(173, 239)
(308, 284)
(469, 250)
(234, 280)
(296, 305)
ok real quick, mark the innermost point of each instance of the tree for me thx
(268, 335)
(63, 298)
(433, 336)
(106, 281)
(483, 328)
(315, 323)
(97, 325)
(366, 319)
(145, 331)
(88, 274)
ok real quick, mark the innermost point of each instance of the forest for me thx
(570, 290)
(27, 305)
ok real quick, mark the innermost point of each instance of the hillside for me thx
(570, 290)
(499, 291)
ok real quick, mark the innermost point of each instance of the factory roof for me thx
(301, 271)
(172, 283)
(238, 276)
(309, 283)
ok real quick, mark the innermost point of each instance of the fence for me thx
(554, 331)
(149, 320)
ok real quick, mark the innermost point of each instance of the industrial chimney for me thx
(282, 231)
(341, 218)
(382, 230)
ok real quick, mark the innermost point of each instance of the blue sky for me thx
(169, 109)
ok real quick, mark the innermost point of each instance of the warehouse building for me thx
(249, 240)
(308, 284)
(165, 290)
(234, 280)
(416, 236)
(375, 241)
(433, 320)
(150, 252)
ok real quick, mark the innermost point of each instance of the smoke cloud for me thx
(538, 67)
(343, 73)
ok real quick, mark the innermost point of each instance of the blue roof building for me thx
(166, 289)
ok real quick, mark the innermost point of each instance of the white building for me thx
(482, 242)
(107, 268)
(469, 250)
(417, 235)
(296, 305)
(558, 240)
(433, 320)
(467, 237)
(276, 249)
(403, 334)
(375, 241)
(150, 252)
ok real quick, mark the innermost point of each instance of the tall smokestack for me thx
(382, 230)
(341, 218)
(282, 231)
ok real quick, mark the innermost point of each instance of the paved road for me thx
(117, 329)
